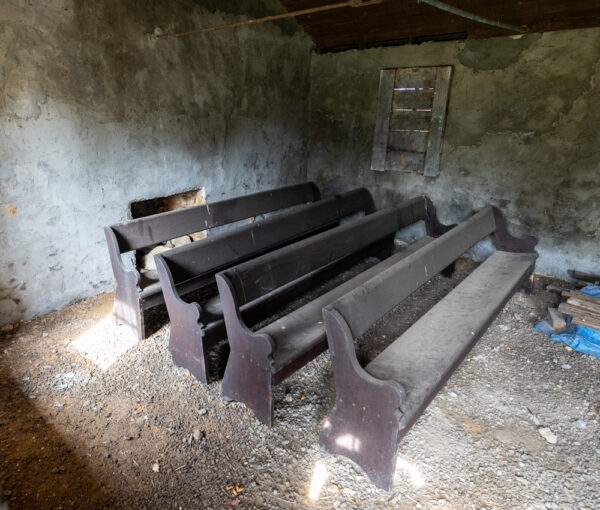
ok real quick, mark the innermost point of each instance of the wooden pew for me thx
(194, 329)
(263, 358)
(134, 293)
(377, 404)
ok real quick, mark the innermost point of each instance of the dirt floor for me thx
(91, 419)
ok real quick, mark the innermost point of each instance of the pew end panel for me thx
(249, 370)
(363, 425)
(188, 351)
(127, 307)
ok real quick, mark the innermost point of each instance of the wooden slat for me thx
(585, 305)
(586, 277)
(382, 121)
(557, 319)
(413, 99)
(405, 161)
(580, 316)
(578, 313)
(417, 77)
(401, 21)
(587, 323)
(410, 141)
(581, 296)
(438, 118)
(411, 120)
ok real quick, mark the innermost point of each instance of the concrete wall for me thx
(95, 113)
(521, 133)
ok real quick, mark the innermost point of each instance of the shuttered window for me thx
(411, 111)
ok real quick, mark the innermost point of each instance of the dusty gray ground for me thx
(140, 433)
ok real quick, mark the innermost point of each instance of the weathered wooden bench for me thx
(263, 358)
(195, 329)
(134, 293)
(377, 404)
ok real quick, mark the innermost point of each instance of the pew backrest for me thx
(212, 253)
(158, 228)
(367, 303)
(262, 275)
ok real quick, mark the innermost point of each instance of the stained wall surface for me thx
(96, 113)
(521, 133)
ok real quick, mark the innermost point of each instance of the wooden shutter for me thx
(411, 111)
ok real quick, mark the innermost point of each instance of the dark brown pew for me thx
(377, 404)
(262, 358)
(194, 329)
(134, 294)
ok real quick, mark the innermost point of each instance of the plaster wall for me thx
(521, 133)
(96, 113)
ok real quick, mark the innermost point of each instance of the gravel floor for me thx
(91, 419)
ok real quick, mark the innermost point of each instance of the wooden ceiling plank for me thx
(395, 20)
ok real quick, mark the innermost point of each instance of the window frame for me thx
(421, 90)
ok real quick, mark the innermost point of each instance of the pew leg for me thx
(364, 427)
(187, 348)
(249, 368)
(186, 337)
(447, 272)
(384, 248)
(527, 285)
(247, 379)
(505, 241)
(433, 226)
(365, 421)
(127, 309)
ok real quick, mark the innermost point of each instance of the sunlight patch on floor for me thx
(318, 480)
(406, 468)
(105, 342)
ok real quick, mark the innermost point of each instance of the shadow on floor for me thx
(38, 468)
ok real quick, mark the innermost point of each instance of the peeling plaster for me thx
(11, 209)
(487, 54)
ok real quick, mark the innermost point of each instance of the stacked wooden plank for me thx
(584, 309)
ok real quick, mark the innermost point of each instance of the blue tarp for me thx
(580, 338)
